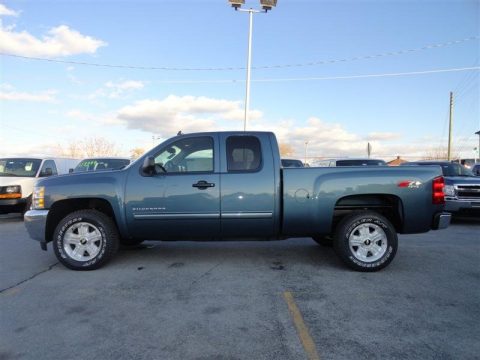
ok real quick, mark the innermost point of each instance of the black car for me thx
(289, 163)
(476, 169)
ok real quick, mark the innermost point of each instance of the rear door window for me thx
(243, 154)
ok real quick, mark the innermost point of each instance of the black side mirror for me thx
(148, 167)
(70, 170)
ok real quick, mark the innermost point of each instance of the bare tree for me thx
(135, 153)
(90, 147)
(71, 150)
(440, 153)
(99, 146)
(286, 149)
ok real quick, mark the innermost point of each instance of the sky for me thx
(333, 74)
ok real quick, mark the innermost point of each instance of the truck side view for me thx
(231, 186)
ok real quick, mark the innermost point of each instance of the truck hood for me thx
(450, 180)
(25, 182)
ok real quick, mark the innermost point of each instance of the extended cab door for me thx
(248, 186)
(181, 198)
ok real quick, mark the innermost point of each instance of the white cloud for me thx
(382, 136)
(115, 90)
(44, 96)
(59, 41)
(186, 113)
(4, 11)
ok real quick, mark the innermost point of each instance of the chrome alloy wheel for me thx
(368, 242)
(82, 241)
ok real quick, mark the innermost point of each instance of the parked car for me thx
(476, 169)
(462, 188)
(231, 185)
(292, 163)
(350, 162)
(103, 163)
(18, 176)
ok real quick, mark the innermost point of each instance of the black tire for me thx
(102, 228)
(326, 240)
(348, 233)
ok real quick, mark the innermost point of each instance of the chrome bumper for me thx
(441, 221)
(36, 222)
(455, 205)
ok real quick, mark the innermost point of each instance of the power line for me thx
(363, 76)
(232, 68)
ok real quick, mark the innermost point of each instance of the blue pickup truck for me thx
(232, 186)
(462, 187)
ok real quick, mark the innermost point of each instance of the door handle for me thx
(202, 185)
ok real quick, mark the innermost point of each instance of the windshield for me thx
(365, 162)
(19, 167)
(101, 164)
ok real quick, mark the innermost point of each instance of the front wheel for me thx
(366, 241)
(85, 240)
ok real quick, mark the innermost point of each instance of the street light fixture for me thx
(266, 5)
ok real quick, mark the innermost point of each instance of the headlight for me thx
(449, 190)
(11, 192)
(13, 189)
(38, 197)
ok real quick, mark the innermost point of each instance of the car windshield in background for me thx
(101, 164)
(292, 163)
(19, 167)
(365, 162)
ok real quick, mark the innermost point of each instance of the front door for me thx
(181, 198)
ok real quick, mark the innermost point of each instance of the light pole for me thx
(478, 133)
(306, 145)
(266, 5)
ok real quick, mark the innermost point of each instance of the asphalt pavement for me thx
(242, 300)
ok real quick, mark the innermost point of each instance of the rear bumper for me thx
(36, 222)
(459, 205)
(441, 221)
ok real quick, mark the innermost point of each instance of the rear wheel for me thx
(85, 240)
(366, 241)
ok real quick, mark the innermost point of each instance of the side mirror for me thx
(149, 165)
(70, 170)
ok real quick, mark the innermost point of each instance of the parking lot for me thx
(242, 300)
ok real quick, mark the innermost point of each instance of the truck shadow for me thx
(466, 219)
(278, 255)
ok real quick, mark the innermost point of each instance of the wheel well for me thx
(64, 207)
(389, 206)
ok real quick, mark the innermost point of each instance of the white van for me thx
(18, 176)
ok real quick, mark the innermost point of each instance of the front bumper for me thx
(441, 221)
(452, 205)
(36, 222)
(12, 205)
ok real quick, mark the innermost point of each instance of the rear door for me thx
(248, 186)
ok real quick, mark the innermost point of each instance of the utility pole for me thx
(449, 154)
(478, 133)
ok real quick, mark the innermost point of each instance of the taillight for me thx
(438, 196)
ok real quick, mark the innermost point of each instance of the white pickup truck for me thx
(19, 175)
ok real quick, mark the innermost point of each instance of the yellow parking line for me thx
(302, 330)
